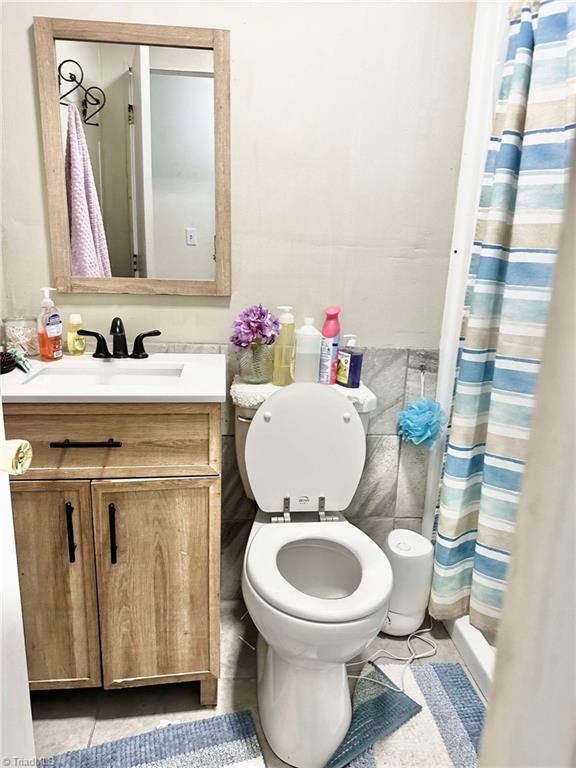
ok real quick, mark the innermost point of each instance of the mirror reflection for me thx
(137, 126)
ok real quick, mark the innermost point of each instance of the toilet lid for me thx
(304, 442)
(263, 570)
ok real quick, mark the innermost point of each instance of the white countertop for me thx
(175, 378)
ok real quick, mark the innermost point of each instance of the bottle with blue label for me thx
(49, 329)
(349, 363)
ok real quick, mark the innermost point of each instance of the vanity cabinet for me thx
(118, 543)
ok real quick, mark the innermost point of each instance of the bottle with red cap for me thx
(329, 348)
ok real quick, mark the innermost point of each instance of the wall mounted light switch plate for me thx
(191, 236)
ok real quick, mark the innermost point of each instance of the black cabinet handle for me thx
(110, 443)
(112, 523)
(70, 532)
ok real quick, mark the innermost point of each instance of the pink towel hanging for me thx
(88, 246)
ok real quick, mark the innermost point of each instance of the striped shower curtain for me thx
(504, 321)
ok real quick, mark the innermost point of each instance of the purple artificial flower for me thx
(254, 325)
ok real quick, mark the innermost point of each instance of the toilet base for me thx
(305, 707)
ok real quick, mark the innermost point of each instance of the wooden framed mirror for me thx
(145, 111)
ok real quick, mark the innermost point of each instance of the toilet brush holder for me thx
(411, 557)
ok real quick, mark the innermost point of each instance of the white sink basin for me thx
(104, 376)
(158, 378)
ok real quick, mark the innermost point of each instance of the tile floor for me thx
(67, 720)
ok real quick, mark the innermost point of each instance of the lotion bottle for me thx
(284, 349)
(329, 348)
(49, 329)
(307, 359)
(76, 344)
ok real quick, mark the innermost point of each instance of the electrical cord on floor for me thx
(418, 635)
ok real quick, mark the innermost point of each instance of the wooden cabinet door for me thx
(157, 559)
(55, 552)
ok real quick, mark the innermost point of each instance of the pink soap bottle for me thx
(329, 348)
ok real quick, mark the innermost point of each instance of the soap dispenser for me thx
(284, 349)
(349, 363)
(49, 329)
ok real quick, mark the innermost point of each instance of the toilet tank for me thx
(363, 399)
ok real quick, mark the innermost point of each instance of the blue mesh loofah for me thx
(421, 422)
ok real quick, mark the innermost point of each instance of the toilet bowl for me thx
(318, 594)
(316, 587)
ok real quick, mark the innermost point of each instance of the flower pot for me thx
(255, 363)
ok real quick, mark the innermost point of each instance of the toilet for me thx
(316, 587)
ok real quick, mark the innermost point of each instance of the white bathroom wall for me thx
(347, 122)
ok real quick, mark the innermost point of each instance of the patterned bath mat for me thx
(225, 740)
(441, 717)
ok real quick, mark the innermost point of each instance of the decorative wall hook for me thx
(70, 71)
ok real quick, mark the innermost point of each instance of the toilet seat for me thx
(304, 444)
(266, 579)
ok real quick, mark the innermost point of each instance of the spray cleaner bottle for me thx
(49, 329)
(329, 347)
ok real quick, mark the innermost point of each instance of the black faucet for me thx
(119, 345)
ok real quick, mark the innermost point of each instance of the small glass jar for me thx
(255, 363)
(21, 335)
